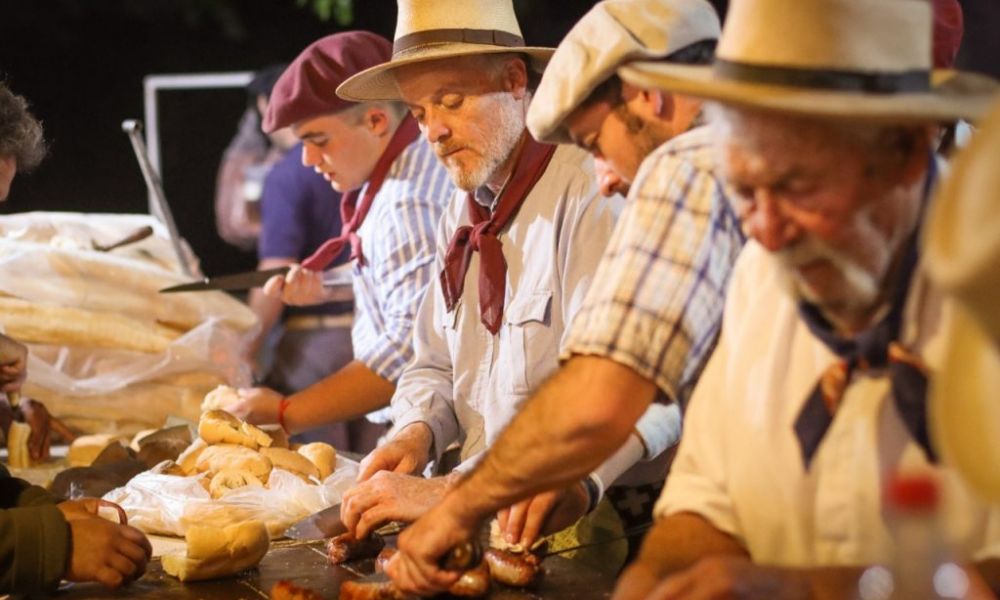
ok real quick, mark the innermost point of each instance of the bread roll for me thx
(214, 553)
(230, 456)
(291, 461)
(279, 439)
(227, 480)
(86, 448)
(220, 427)
(189, 458)
(324, 456)
(221, 398)
(18, 456)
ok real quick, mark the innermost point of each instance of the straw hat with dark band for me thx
(857, 59)
(436, 29)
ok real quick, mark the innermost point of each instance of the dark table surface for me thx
(306, 565)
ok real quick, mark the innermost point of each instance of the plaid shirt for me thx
(657, 298)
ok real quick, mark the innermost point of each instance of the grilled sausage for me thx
(344, 548)
(473, 583)
(383, 558)
(515, 570)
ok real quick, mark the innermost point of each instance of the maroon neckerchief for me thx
(351, 214)
(481, 235)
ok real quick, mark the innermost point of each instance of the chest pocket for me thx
(530, 343)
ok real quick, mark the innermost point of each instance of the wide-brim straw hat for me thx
(962, 254)
(856, 59)
(437, 29)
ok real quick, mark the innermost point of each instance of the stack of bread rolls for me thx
(231, 454)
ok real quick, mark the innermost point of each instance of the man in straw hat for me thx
(637, 334)
(394, 193)
(815, 395)
(523, 240)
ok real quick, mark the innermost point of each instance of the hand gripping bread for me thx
(324, 456)
(290, 461)
(227, 480)
(214, 552)
(228, 456)
(220, 427)
(220, 398)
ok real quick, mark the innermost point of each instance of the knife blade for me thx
(323, 524)
(333, 278)
(236, 281)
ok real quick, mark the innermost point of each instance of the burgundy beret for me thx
(948, 29)
(307, 88)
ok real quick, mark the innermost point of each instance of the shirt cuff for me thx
(659, 428)
(630, 453)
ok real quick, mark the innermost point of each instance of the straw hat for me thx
(435, 29)
(857, 59)
(962, 253)
(613, 33)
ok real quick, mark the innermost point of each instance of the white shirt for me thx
(739, 463)
(465, 383)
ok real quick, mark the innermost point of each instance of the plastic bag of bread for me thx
(160, 502)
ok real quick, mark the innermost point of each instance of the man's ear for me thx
(914, 146)
(662, 103)
(377, 121)
(515, 77)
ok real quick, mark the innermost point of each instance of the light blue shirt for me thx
(398, 242)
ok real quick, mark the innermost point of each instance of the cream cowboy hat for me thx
(857, 59)
(962, 254)
(435, 29)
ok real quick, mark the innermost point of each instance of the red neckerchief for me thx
(481, 236)
(353, 215)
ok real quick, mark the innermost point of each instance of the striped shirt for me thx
(398, 242)
(657, 298)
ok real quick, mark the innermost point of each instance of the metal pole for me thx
(158, 200)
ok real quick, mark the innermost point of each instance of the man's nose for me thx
(767, 223)
(609, 181)
(310, 156)
(436, 129)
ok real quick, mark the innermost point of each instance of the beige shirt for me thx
(739, 463)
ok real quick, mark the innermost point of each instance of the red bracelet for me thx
(282, 407)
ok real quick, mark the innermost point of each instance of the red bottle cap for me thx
(913, 492)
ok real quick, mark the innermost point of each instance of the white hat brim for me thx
(953, 95)
(378, 82)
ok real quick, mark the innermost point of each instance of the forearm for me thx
(351, 392)
(268, 311)
(679, 541)
(550, 445)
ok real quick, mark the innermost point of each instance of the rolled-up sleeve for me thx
(697, 480)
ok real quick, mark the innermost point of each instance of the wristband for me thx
(593, 492)
(282, 407)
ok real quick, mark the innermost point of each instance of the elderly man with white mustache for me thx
(810, 419)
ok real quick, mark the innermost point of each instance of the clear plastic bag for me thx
(168, 505)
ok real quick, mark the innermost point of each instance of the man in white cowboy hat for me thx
(652, 315)
(815, 395)
(526, 234)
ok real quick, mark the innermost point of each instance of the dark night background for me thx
(81, 64)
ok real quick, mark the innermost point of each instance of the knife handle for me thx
(462, 557)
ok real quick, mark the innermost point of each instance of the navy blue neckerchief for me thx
(875, 348)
